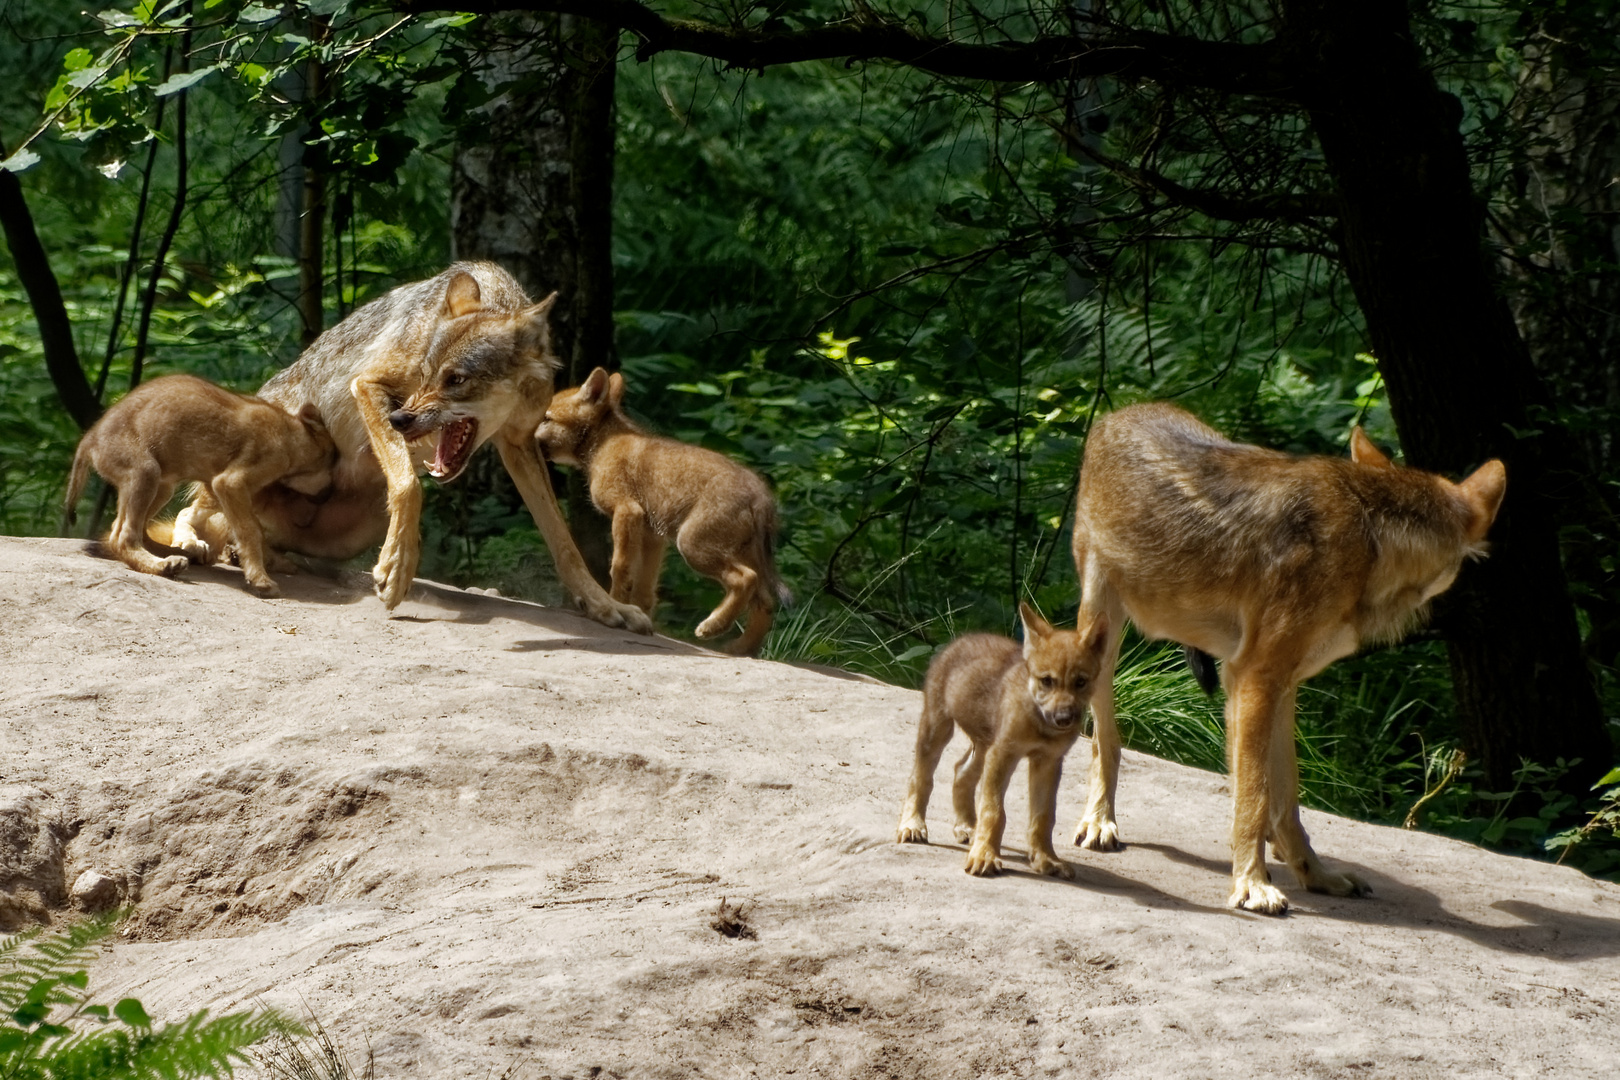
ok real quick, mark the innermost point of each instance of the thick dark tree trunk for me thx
(534, 193)
(1461, 385)
(45, 296)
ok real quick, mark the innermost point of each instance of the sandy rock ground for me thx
(483, 836)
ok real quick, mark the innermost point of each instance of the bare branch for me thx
(1259, 69)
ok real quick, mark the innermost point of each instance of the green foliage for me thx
(52, 1030)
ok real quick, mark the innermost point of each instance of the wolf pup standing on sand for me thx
(463, 355)
(721, 516)
(1278, 565)
(1012, 703)
(180, 427)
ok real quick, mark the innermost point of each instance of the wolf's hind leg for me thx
(236, 498)
(201, 530)
(741, 583)
(934, 730)
(1290, 844)
(137, 491)
(964, 792)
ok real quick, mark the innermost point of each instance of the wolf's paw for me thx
(392, 576)
(1336, 884)
(912, 832)
(1050, 867)
(278, 563)
(265, 589)
(1259, 896)
(197, 551)
(982, 862)
(612, 613)
(1097, 835)
(711, 627)
(963, 831)
(171, 566)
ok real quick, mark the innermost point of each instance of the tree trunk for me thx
(312, 219)
(45, 296)
(1461, 385)
(534, 193)
(1560, 221)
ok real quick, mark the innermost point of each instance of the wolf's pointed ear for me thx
(462, 296)
(615, 390)
(1034, 625)
(533, 333)
(310, 414)
(1363, 452)
(1484, 490)
(595, 386)
(1097, 635)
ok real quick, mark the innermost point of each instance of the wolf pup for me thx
(180, 427)
(1012, 703)
(1279, 566)
(417, 380)
(721, 516)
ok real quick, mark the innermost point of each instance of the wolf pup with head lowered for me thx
(180, 427)
(1012, 703)
(1278, 565)
(463, 356)
(721, 516)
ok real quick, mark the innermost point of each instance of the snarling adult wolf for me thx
(417, 380)
(1278, 565)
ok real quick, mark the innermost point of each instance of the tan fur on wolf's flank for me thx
(180, 428)
(1012, 703)
(417, 380)
(1278, 565)
(721, 516)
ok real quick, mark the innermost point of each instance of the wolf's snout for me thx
(1062, 717)
(401, 419)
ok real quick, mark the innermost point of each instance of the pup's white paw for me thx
(982, 862)
(172, 565)
(1336, 884)
(197, 551)
(711, 627)
(1261, 896)
(1095, 834)
(267, 589)
(1048, 867)
(912, 831)
(963, 831)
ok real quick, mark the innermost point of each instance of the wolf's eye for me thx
(1047, 682)
(1080, 682)
(455, 378)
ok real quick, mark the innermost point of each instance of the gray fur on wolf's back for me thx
(404, 319)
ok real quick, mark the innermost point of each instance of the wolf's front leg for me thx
(401, 549)
(1252, 705)
(984, 854)
(1098, 830)
(1045, 771)
(522, 460)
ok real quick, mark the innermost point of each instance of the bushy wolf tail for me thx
(1203, 668)
(76, 478)
(772, 580)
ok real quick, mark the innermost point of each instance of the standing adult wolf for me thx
(1279, 565)
(464, 355)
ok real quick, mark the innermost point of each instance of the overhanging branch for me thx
(1259, 69)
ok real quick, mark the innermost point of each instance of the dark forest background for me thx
(897, 257)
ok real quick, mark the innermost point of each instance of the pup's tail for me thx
(772, 581)
(76, 479)
(1202, 666)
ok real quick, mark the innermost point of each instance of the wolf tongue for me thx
(448, 443)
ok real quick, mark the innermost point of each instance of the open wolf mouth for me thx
(456, 442)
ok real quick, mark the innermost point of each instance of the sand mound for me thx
(482, 834)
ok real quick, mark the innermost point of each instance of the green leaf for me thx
(19, 161)
(77, 59)
(449, 20)
(176, 83)
(328, 7)
(130, 1012)
(254, 14)
(913, 653)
